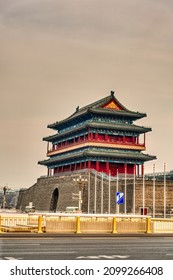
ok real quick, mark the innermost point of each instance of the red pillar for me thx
(80, 165)
(107, 167)
(89, 164)
(97, 166)
(142, 169)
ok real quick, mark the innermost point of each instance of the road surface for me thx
(28, 247)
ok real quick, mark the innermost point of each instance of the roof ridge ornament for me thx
(112, 93)
(77, 108)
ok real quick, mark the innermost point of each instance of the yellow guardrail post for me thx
(114, 225)
(40, 220)
(148, 224)
(78, 225)
(0, 225)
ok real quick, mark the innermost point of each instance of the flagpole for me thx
(134, 186)
(164, 187)
(117, 206)
(143, 192)
(102, 194)
(89, 182)
(95, 192)
(154, 190)
(125, 189)
(109, 198)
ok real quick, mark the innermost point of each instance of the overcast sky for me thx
(56, 55)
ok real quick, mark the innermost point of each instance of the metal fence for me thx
(83, 223)
(19, 222)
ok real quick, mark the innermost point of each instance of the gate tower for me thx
(100, 136)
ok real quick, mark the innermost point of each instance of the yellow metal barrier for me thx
(78, 225)
(130, 225)
(83, 223)
(60, 224)
(114, 225)
(148, 221)
(97, 224)
(40, 220)
(0, 225)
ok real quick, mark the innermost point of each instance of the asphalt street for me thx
(28, 247)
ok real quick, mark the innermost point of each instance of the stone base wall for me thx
(40, 194)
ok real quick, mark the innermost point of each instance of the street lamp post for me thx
(4, 199)
(80, 182)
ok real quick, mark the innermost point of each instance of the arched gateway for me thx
(54, 200)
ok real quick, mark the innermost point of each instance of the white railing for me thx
(162, 225)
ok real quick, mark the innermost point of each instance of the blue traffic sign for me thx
(119, 197)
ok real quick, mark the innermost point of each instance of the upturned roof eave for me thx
(96, 107)
(71, 117)
(133, 156)
(140, 129)
(123, 127)
(140, 156)
(128, 113)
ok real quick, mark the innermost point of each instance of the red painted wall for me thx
(101, 136)
(102, 167)
(113, 167)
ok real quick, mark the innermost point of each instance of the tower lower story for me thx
(110, 168)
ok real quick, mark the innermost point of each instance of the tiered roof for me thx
(105, 125)
(108, 105)
(116, 118)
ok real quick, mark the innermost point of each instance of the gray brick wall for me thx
(41, 193)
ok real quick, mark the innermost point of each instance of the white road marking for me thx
(22, 244)
(104, 257)
(38, 253)
(11, 258)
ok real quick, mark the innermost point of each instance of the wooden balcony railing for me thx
(68, 145)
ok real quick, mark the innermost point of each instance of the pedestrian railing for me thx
(19, 222)
(84, 223)
(162, 225)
